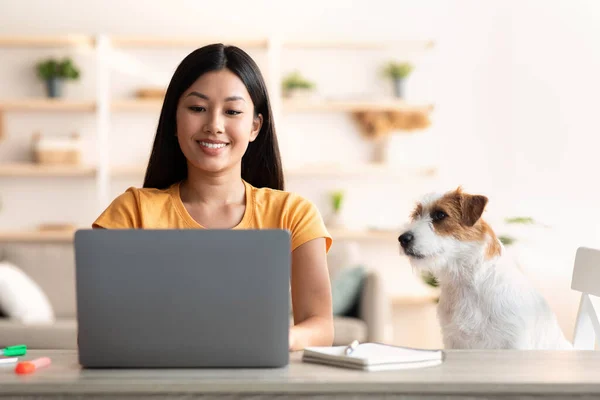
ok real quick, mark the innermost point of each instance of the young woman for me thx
(215, 164)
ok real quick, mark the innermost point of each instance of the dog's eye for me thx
(438, 215)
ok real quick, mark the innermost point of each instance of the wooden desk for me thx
(498, 375)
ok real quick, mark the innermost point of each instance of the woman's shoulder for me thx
(280, 199)
(125, 210)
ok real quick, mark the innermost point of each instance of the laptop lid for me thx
(183, 298)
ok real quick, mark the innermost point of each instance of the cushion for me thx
(349, 329)
(21, 298)
(62, 334)
(346, 287)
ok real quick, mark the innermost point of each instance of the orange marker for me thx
(27, 367)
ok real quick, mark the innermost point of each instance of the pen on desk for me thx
(12, 351)
(351, 347)
(27, 367)
(12, 360)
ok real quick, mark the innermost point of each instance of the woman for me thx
(215, 164)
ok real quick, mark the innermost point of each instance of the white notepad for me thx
(374, 357)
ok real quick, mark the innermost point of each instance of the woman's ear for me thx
(256, 125)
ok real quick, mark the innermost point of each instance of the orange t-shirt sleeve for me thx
(123, 212)
(307, 224)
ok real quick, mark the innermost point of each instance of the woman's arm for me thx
(311, 297)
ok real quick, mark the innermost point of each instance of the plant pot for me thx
(298, 93)
(335, 220)
(399, 87)
(54, 87)
(380, 153)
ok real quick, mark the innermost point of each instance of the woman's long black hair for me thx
(261, 164)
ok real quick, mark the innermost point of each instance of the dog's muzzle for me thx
(407, 240)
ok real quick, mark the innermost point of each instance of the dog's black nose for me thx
(405, 239)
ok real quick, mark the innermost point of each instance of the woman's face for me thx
(215, 121)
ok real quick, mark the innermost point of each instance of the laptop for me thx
(188, 298)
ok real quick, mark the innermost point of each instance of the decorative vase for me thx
(54, 87)
(399, 87)
(380, 149)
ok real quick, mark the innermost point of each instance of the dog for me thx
(485, 301)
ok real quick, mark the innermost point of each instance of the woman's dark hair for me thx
(261, 164)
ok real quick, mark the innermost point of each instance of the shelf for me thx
(137, 105)
(149, 42)
(415, 299)
(358, 169)
(318, 170)
(46, 41)
(345, 234)
(37, 236)
(43, 104)
(294, 105)
(358, 45)
(34, 170)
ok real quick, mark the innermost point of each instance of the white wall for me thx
(514, 85)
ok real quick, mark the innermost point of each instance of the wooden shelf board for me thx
(43, 104)
(322, 170)
(37, 236)
(137, 105)
(293, 105)
(359, 169)
(149, 41)
(414, 299)
(35, 170)
(46, 41)
(346, 234)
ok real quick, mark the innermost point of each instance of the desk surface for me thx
(507, 373)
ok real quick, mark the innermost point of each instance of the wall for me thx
(512, 83)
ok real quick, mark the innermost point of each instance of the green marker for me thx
(14, 351)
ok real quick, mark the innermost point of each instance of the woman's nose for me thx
(214, 124)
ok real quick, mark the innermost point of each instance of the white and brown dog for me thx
(485, 302)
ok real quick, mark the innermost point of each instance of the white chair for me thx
(586, 279)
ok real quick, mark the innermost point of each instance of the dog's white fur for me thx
(484, 303)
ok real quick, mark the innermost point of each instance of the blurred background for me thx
(376, 104)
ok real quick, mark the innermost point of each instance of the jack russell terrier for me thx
(486, 302)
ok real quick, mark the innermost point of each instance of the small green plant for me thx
(336, 198)
(397, 70)
(52, 68)
(506, 239)
(519, 220)
(296, 81)
(429, 279)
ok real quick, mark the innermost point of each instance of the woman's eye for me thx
(196, 108)
(233, 112)
(438, 216)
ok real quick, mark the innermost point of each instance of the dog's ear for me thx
(472, 208)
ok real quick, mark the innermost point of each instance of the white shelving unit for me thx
(104, 106)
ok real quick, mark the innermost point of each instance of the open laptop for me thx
(188, 298)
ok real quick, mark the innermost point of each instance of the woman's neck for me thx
(212, 189)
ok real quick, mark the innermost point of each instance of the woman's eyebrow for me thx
(205, 97)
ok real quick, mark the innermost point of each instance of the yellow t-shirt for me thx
(265, 209)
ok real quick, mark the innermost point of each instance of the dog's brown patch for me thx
(417, 212)
(463, 220)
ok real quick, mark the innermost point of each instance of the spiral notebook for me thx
(374, 357)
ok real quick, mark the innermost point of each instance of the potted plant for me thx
(398, 73)
(337, 199)
(295, 85)
(54, 72)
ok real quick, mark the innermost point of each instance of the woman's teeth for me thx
(213, 145)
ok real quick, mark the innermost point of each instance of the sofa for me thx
(51, 265)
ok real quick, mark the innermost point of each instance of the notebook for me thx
(374, 357)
